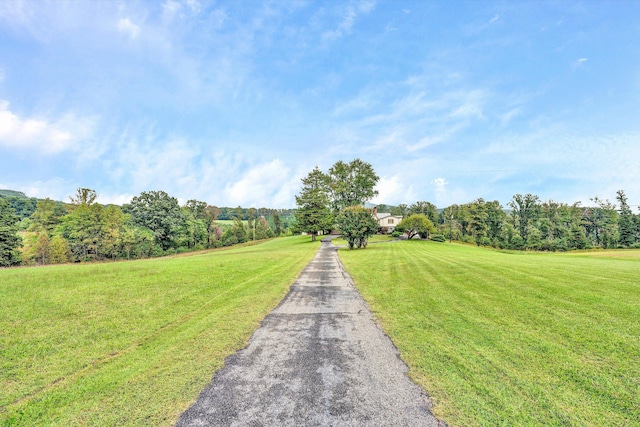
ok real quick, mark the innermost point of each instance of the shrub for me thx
(438, 238)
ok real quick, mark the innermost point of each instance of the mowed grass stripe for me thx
(508, 338)
(132, 343)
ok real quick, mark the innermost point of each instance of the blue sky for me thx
(233, 102)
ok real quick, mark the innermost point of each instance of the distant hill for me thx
(13, 193)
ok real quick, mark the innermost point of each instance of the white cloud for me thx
(114, 199)
(348, 19)
(32, 132)
(126, 26)
(267, 184)
(440, 185)
(509, 115)
(392, 191)
(55, 188)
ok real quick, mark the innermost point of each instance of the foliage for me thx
(626, 226)
(9, 239)
(313, 215)
(160, 213)
(133, 343)
(47, 216)
(427, 208)
(59, 251)
(356, 224)
(416, 224)
(351, 184)
(524, 209)
(511, 339)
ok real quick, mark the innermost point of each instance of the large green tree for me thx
(416, 224)
(83, 226)
(524, 209)
(351, 184)
(356, 225)
(313, 214)
(9, 239)
(160, 213)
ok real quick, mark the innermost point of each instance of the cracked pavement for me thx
(318, 359)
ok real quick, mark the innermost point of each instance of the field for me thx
(132, 343)
(500, 338)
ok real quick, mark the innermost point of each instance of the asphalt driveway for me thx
(318, 359)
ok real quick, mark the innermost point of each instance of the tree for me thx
(84, 196)
(47, 216)
(524, 210)
(426, 208)
(113, 228)
(626, 226)
(416, 224)
(59, 252)
(356, 225)
(313, 214)
(160, 213)
(83, 226)
(478, 224)
(42, 248)
(262, 229)
(277, 224)
(351, 184)
(196, 217)
(237, 233)
(602, 223)
(9, 239)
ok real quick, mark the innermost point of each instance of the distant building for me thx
(386, 222)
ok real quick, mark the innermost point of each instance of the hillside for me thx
(13, 193)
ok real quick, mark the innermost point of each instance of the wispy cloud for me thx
(348, 18)
(129, 28)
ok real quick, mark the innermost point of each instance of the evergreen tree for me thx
(9, 239)
(313, 214)
(626, 226)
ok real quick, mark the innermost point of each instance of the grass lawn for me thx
(511, 338)
(376, 238)
(132, 343)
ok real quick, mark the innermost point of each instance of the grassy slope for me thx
(511, 338)
(132, 343)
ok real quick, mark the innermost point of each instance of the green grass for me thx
(377, 238)
(511, 338)
(132, 343)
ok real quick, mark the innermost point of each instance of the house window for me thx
(390, 221)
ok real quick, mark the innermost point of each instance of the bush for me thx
(438, 238)
(396, 234)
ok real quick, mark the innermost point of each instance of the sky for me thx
(233, 102)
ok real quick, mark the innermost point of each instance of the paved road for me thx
(318, 359)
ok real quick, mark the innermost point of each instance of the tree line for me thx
(153, 224)
(336, 199)
(528, 223)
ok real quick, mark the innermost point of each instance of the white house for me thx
(386, 222)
